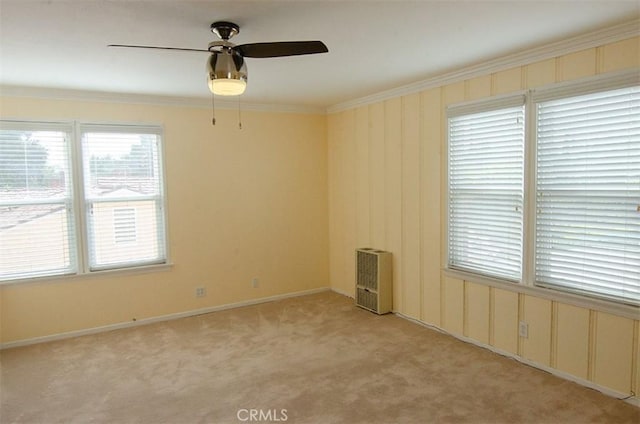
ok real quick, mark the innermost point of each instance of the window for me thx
(588, 193)
(486, 193)
(122, 175)
(582, 148)
(110, 214)
(37, 220)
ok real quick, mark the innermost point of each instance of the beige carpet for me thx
(317, 357)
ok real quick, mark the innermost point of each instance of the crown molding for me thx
(580, 42)
(148, 99)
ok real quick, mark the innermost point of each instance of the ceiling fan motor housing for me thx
(226, 68)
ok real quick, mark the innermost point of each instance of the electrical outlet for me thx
(523, 329)
(254, 283)
(201, 292)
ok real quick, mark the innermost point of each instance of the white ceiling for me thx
(373, 45)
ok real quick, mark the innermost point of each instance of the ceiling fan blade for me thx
(282, 48)
(157, 48)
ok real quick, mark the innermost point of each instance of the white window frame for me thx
(80, 246)
(527, 285)
(495, 104)
(159, 199)
(561, 91)
(68, 202)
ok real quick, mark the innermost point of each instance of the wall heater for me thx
(373, 280)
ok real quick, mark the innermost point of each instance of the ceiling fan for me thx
(226, 68)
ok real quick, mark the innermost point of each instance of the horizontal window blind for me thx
(37, 223)
(485, 187)
(588, 194)
(123, 197)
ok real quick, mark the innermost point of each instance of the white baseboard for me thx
(633, 400)
(145, 321)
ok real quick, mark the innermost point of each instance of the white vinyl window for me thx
(122, 170)
(485, 181)
(37, 224)
(111, 216)
(588, 193)
(580, 230)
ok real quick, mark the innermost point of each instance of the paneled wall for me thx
(387, 190)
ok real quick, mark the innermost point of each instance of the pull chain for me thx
(239, 114)
(213, 110)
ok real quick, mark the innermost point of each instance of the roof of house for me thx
(12, 216)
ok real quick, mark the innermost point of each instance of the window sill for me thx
(120, 272)
(600, 305)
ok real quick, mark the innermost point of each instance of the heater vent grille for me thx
(367, 270)
(373, 280)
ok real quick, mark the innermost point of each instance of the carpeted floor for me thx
(312, 359)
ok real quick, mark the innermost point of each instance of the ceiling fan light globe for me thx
(227, 87)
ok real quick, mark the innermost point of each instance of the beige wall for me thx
(387, 190)
(241, 204)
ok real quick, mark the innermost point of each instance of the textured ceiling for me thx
(373, 45)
